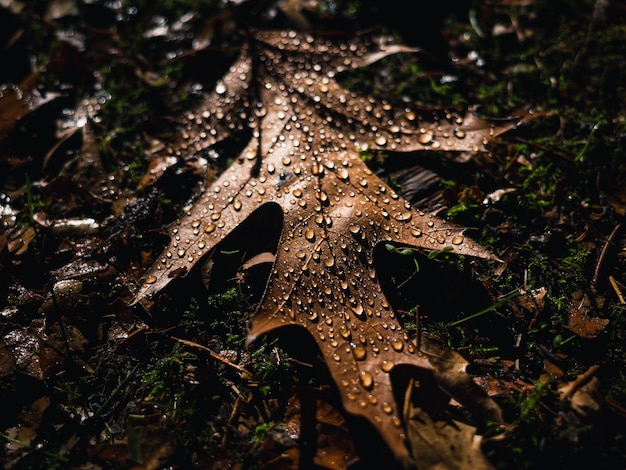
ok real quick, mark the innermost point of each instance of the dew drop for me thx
(386, 366)
(345, 332)
(220, 88)
(458, 240)
(397, 345)
(358, 311)
(359, 352)
(309, 234)
(426, 138)
(151, 280)
(354, 229)
(366, 379)
(342, 174)
(321, 196)
(317, 169)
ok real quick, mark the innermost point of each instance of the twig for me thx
(579, 381)
(617, 290)
(213, 354)
(605, 249)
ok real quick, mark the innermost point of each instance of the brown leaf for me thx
(151, 441)
(333, 446)
(437, 440)
(7, 360)
(304, 159)
(29, 420)
(17, 101)
(579, 320)
(586, 400)
(449, 369)
(494, 386)
(444, 445)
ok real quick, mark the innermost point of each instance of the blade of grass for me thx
(493, 306)
(581, 155)
(108, 401)
(29, 199)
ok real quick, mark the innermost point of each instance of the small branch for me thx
(617, 290)
(579, 381)
(213, 354)
(605, 249)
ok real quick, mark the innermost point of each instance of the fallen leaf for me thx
(449, 369)
(150, 441)
(332, 448)
(28, 421)
(303, 158)
(16, 101)
(7, 360)
(579, 320)
(444, 445)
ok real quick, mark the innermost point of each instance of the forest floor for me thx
(87, 380)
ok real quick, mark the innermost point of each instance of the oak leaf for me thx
(303, 156)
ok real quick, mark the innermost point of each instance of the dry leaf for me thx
(444, 445)
(333, 447)
(579, 320)
(29, 420)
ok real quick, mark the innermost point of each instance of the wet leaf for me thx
(17, 101)
(7, 360)
(303, 157)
